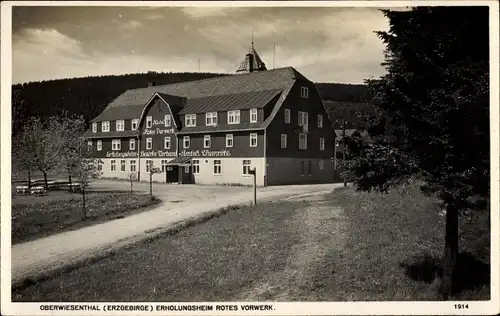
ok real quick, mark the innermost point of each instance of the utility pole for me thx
(199, 67)
(343, 148)
(254, 173)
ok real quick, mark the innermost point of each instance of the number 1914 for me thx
(461, 306)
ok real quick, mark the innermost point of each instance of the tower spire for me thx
(252, 40)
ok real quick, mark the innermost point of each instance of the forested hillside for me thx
(90, 95)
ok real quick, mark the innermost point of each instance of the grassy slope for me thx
(210, 261)
(394, 247)
(39, 216)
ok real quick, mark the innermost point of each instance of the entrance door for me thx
(172, 174)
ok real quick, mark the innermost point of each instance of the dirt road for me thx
(38, 257)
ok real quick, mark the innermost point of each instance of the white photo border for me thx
(283, 308)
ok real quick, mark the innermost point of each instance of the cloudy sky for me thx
(325, 44)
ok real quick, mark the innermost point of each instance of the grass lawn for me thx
(346, 246)
(57, 211)
(394, 248)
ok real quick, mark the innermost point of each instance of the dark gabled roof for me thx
(222, 128)
(130, 103)
(113, 134)
(110, 113)
(238, 101)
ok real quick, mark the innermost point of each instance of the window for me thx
(168, 120)
(196, 166)
(229, 140)
(233, 117)
(149, 165)
(283, 140)
(320, 164)
(120, 125)
(302, 167)
(253, 139)
(217, 167)
(94, 127)
(116, 144)
(132, 166)
(99, 166)
(206, 141)
(321, 143)
(211, 119)
(246, 167)
(113, 165)
(164, 165)
(105, 126)
(303, 118)
(287, 116)
(167, 142)
(149, 143)
(309, 167)
(253, 115)
(135, 124)
(186, 169)
(304, 92)
(149, 121)
(302, 141)
(186, 141)
(131, 144)
(320, 120)
(190, 120)
(99, 145)
(122, 165)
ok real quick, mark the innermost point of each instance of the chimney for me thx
(151, 84)
(249, 59)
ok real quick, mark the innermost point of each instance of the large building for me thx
(214, 131)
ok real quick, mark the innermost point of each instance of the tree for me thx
(86, 169)
(41, 142)
(432, 114)
(69, 130)
(132, 176)
(23, 158)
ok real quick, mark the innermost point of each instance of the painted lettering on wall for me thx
(158, 131)
(157, 153)
(117, 154)
(205, 153)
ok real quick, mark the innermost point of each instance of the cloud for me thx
(325, 44)
(44, 54)
(132, 24)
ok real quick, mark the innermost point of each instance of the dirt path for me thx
(321, 228)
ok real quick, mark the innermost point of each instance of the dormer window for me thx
(94, 127)
(135, 124)
(233, 117)
(149, 121)
(253, 115)
(168, 120)
(320, 120)
(190, 120)
(211, 119)
(120, 125)
(304, 92)
(105, 126)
